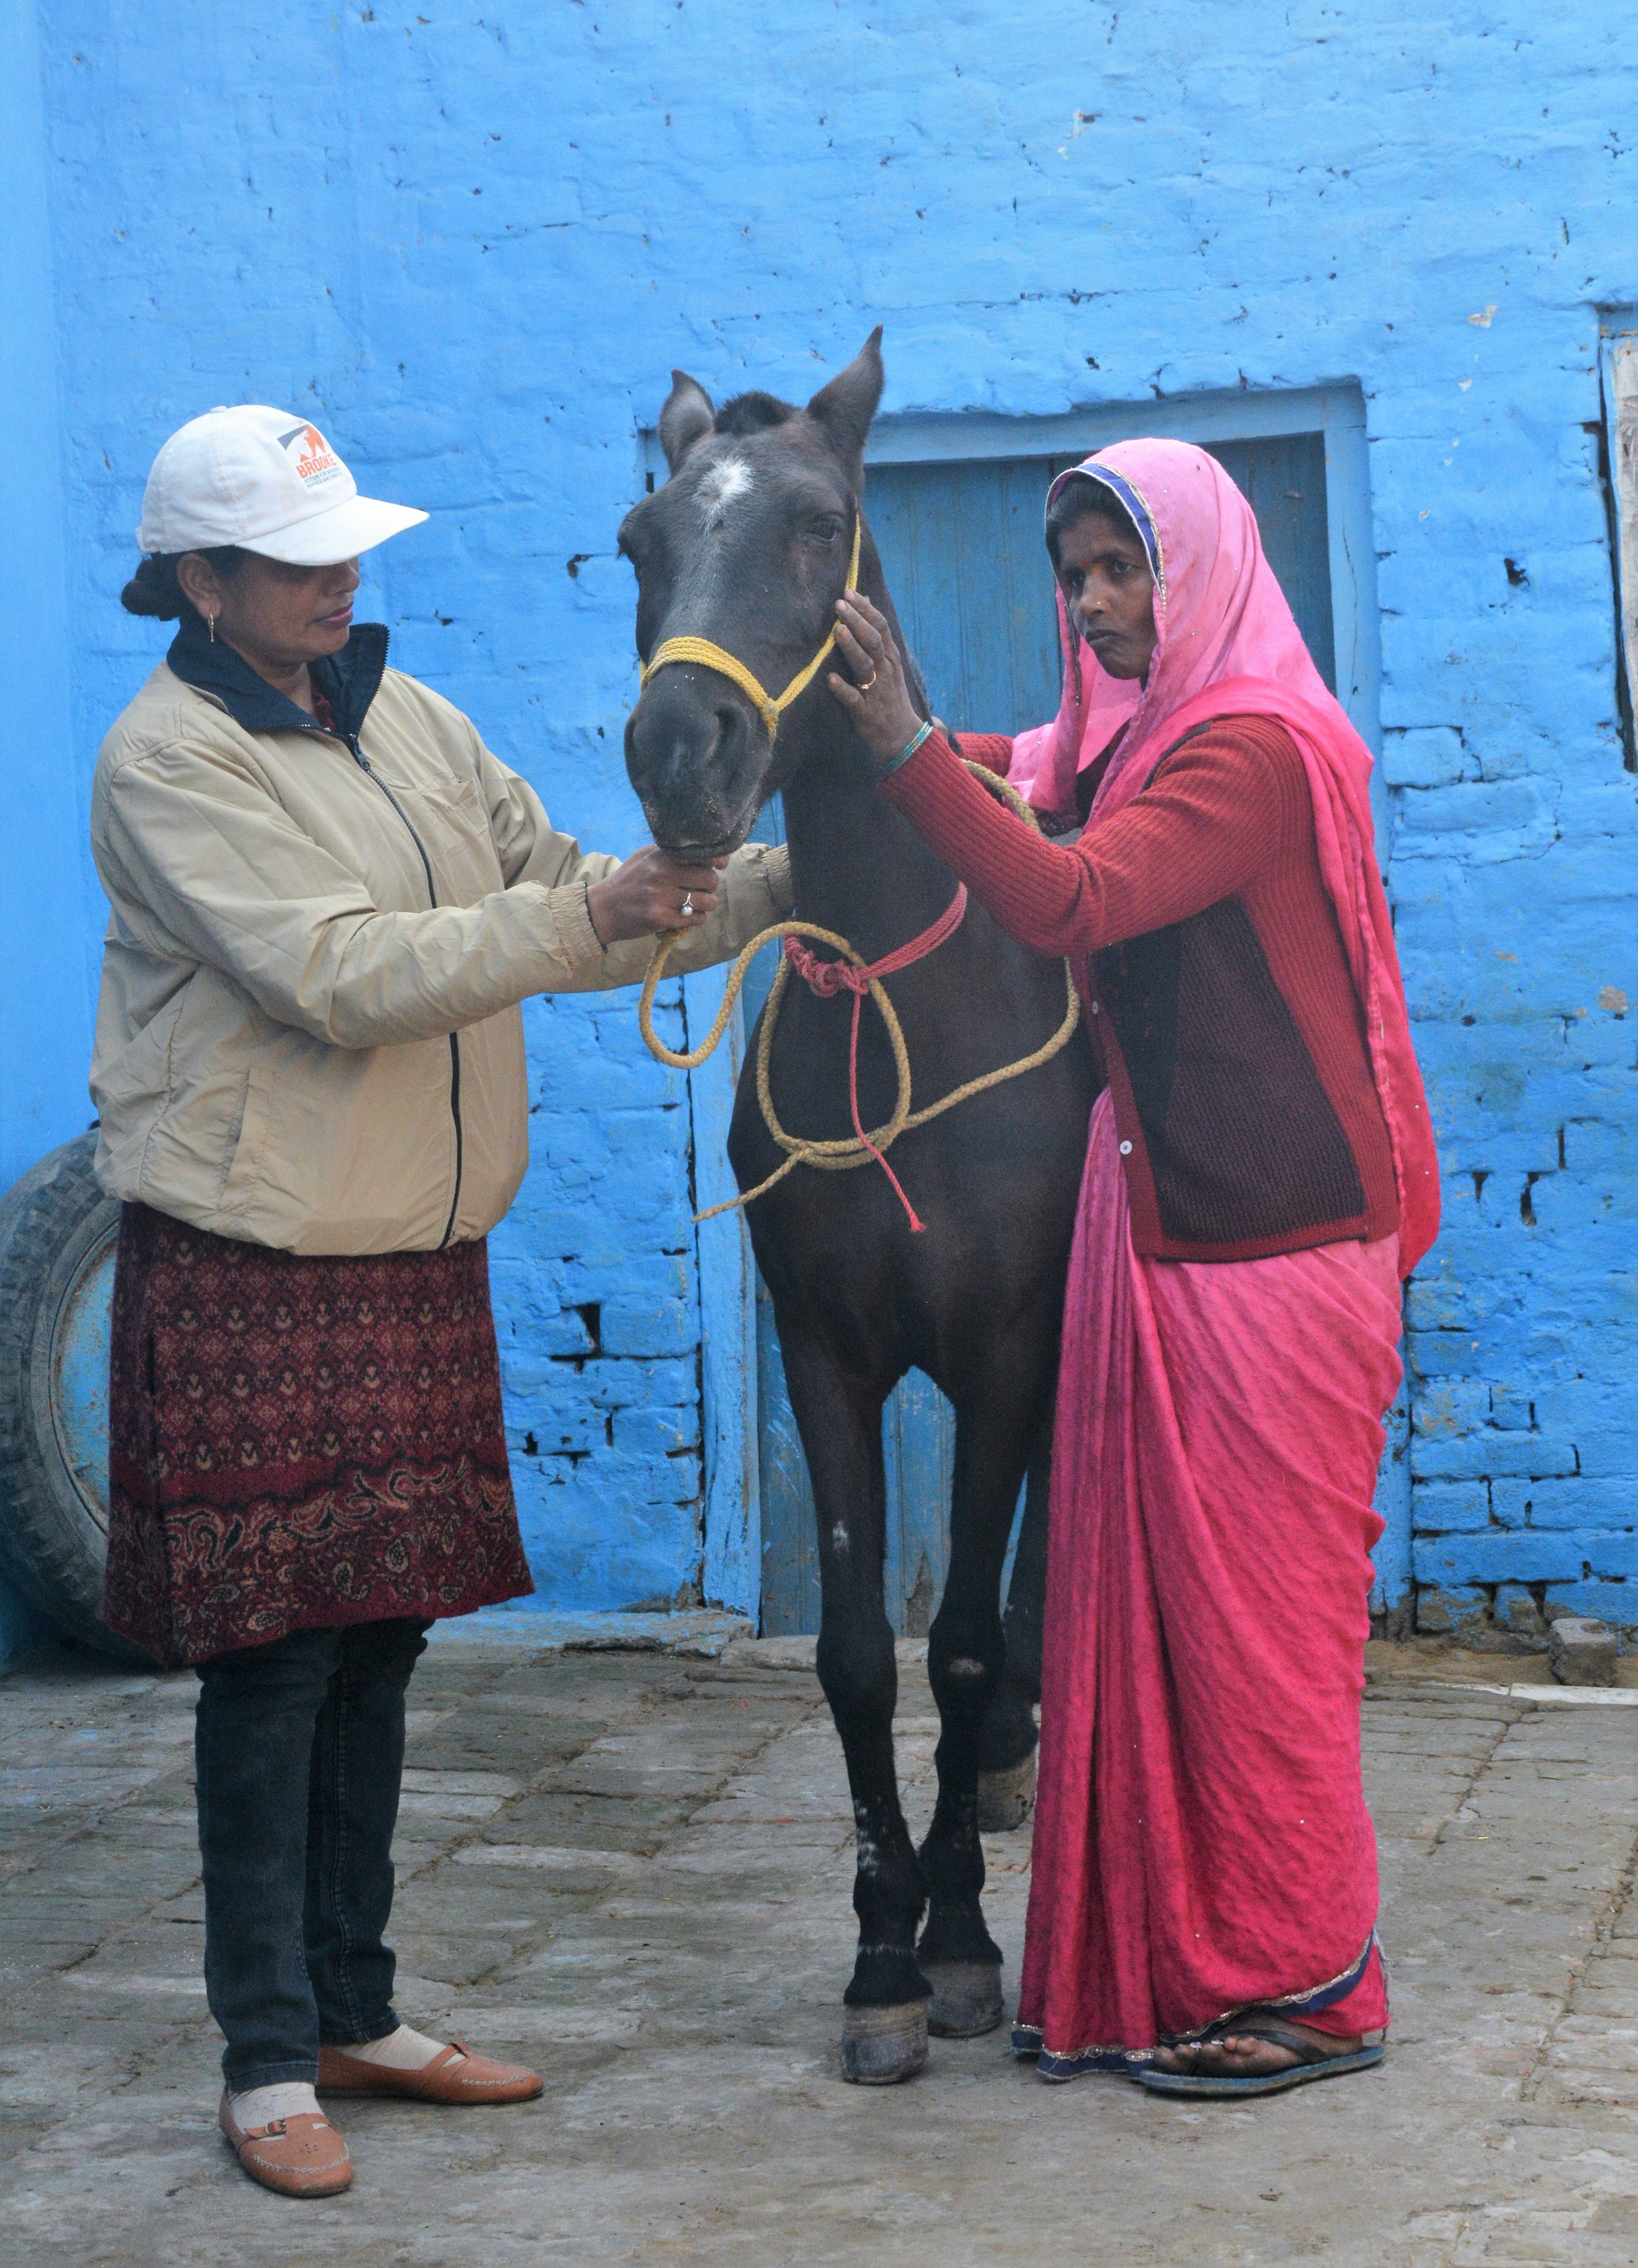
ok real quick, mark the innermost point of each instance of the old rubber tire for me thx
(57, 1235)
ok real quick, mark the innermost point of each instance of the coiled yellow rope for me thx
(840, 1154)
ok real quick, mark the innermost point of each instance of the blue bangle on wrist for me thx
(908, 750)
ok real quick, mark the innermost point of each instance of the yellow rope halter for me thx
(836, 1156)
(727, 664)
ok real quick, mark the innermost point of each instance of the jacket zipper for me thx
(369, 772)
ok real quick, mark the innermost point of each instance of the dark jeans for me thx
(300, 1751)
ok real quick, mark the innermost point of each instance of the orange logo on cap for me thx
(315, 460)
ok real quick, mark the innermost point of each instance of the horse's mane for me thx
(753, 413)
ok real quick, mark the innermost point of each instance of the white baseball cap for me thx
(267, 482)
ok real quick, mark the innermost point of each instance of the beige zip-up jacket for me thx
(308, 1034)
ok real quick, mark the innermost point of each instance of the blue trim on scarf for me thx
(1091, 470)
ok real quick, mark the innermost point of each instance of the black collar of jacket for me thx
(349, 680)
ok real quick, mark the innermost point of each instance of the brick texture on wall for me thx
(473, 244)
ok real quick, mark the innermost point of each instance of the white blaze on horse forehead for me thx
(721, 485)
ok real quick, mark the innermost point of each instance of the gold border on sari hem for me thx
(1355, 1972)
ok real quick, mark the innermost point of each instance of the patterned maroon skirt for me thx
(298, 1443)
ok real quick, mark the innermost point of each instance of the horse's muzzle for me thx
(699, 761)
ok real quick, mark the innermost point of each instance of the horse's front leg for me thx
(885, 2006)
(966, 1660)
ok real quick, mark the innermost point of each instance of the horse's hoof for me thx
(1006, 1798)
(966, 1997)
(881, 2046)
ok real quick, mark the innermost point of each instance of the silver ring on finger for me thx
(869, 682)
(688, 905)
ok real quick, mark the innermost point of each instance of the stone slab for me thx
(670, 1953)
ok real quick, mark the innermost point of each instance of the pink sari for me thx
(1202, 1840)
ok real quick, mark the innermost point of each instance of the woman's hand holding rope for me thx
(650, 891)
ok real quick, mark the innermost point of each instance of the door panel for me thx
(961, 547)
(1283, 480)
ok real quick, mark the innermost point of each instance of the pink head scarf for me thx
(1227, 646)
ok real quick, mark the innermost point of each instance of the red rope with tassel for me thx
(825, 979)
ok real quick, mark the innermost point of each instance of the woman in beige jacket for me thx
(327, 900)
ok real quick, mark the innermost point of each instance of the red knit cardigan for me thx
(1215, 980)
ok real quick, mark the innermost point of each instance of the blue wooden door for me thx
(961, 544)
(1283, 480)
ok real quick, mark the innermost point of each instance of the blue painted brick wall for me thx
(598, 1313)
(475, 244)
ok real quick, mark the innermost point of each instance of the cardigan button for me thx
(1097, 1007)
(1126, 1149)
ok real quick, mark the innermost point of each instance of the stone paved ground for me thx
(634, 1869)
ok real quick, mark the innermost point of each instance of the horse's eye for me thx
(822, 531)
(634, 539)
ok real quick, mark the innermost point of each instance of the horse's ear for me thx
(847, 405)
(687, 418)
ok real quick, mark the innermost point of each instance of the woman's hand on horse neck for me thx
(875, 698)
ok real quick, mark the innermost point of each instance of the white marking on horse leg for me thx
(868, 1853)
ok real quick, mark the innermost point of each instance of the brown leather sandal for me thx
(454, 2075)
(301, 2157)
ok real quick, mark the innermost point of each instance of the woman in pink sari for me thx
(1260, 1176)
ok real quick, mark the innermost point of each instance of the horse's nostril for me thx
(731, 734)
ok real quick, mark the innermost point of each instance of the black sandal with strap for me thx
(1314, 2059)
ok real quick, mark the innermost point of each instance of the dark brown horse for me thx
(748, 545)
